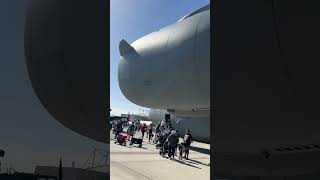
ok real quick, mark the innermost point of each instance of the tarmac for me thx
(145, 163)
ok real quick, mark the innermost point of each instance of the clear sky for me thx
(131, 20)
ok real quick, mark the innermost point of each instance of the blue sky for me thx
(131, 20)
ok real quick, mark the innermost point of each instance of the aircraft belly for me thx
(199, 127)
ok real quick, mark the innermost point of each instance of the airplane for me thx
(169, 69)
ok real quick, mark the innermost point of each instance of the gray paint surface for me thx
(169, 68)
(198, 126)
(28, 134)
(266, 93)
(65, 46)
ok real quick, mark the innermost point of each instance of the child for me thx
(180, 147)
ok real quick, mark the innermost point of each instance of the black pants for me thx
(171, 151)
(116, 134)
(186, 152)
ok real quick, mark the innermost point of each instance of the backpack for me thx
(187, 139)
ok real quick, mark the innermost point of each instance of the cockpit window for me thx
(205, 8)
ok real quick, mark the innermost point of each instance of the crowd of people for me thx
(143, 128)
(169, 137)
(165, 136)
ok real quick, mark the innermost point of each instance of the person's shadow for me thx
(197, 162)
(184, 163)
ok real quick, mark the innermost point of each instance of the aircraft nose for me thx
(135, 70)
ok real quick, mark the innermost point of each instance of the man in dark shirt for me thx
(143, 129)
(172, 140)
(187, 142)
(150, 132)
(131, 130)
(118, 129)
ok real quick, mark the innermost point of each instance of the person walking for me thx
(163, 125)
(177, 142)
(143, 129)
(150, 132)
(172, 140)
(186, 143)
(131, 130)
(118, 129)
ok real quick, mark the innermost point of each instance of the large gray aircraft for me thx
(169, 69)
